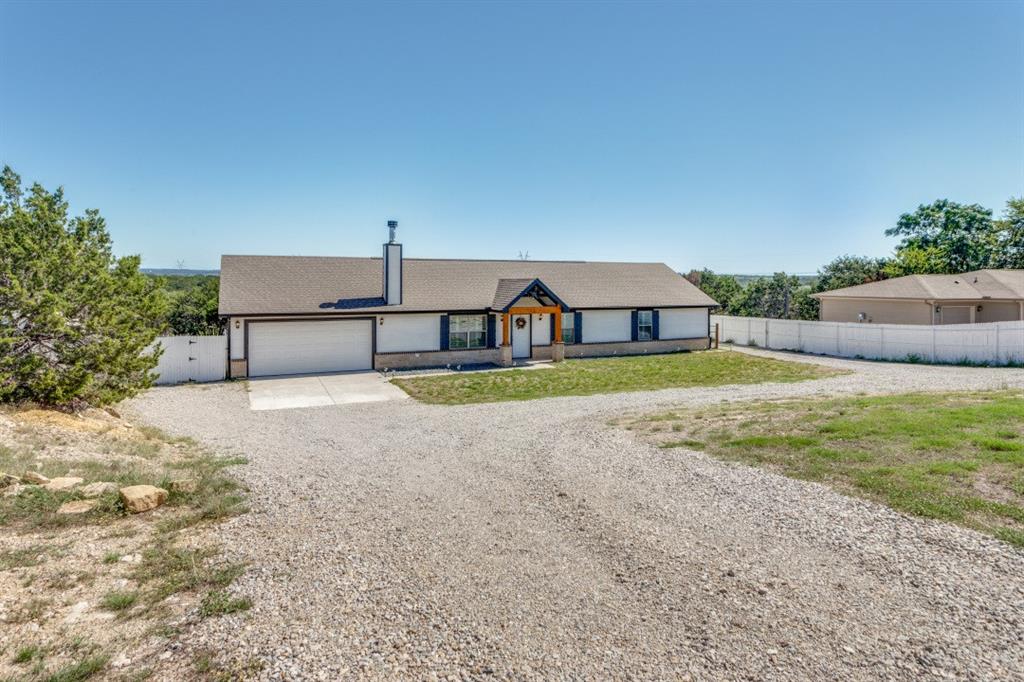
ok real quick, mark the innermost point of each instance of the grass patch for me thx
(23, 558)
(609, 375)
(220, 603)
(83, 670)
(118, 600)
(27, 654)
(166, 569)
(952, 457)
(111, 558)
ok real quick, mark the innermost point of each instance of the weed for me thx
(220, 603)
(83, 670)
(26, 654)
(118, 600)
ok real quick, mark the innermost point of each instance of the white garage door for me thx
(309, 347)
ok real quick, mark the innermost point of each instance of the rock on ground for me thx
(142, 498)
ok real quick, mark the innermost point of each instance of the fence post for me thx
(716, 336)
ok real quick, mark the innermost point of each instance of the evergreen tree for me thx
(75, 320)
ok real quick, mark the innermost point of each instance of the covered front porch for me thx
(523, 304)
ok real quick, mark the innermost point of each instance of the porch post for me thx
(557, 346)
(505, 351)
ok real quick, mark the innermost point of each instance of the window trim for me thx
(569, 329)
(467, 335)
(640, 325)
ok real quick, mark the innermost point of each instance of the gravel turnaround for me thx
(533, 540)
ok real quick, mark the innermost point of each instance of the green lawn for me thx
(609, 375)
(955, 457)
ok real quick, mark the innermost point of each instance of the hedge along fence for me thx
(993, 343)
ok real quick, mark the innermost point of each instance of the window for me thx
(467, 331)
(568, 332)
(644, 325)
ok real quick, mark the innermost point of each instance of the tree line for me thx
(943, 237)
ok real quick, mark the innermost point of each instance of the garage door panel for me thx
(310, 347)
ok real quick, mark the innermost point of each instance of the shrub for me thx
(75, 320)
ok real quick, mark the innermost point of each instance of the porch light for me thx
(237, 324)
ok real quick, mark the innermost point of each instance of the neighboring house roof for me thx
(969, 286)
(255, 285)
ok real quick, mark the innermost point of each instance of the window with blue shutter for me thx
(643, 325)
(655, 330)
(490, 332)
(634, 331)
(444, 332)
(577, 323)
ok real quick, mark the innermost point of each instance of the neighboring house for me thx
(299, 314)
(979, 296)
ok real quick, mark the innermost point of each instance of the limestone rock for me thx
(184, 485)
(58, 485)
(77, 507)
(99, 488)
(35, 477)
(140, 498)
(17, 489)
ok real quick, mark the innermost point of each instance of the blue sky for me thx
(741, 137)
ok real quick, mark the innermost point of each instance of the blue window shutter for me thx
(490, 331)
(444, 332)
(577, 323)
(553, 328)
(635, 332)
(655, 335)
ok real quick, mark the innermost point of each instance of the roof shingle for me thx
(261, 285)
(975, 285)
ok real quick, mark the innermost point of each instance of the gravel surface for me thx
(532, 540)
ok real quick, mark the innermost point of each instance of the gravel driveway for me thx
(532, 540)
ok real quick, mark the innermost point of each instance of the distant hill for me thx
(166, 272)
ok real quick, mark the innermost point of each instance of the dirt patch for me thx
(106, 593)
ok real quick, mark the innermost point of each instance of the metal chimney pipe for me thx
(392, 226)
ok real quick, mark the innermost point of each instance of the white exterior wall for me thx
(601, 326)
(236, 337)
(688, 323)
(408, 333)
(541, 330)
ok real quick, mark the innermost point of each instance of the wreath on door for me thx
(520, 323)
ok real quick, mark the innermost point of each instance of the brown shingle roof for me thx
(969, 286)
(508, 290)
(314, 284)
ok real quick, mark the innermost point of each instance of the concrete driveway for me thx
(317, 390)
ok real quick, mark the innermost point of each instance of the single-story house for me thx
(978, 296)
(305, 314)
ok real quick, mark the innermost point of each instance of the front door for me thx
(520, 336)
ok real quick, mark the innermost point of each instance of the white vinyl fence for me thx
(192, 358)
(996, 343)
